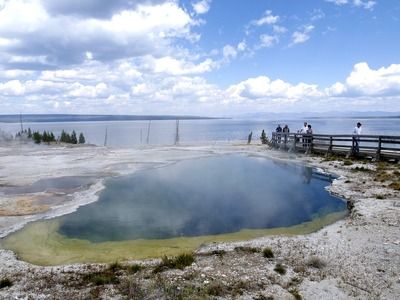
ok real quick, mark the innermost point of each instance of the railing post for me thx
(330, 145)
(294, 142)
(285, 141)
(308, 139)
(351, 152)
(378, 152)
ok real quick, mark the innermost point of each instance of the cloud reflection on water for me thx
(202, 197)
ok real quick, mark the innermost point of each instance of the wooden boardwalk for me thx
(379, 147)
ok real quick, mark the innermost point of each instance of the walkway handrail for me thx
(376, 145)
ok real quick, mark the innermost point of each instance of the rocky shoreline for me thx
(355, 258)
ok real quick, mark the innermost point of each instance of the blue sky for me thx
(204, 57)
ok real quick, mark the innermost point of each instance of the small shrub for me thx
(101, 278)
(395, 185)
(295, 280)
(5, 282)
(299, 269)
(316, 262)
(295, 294)
(383, 176)
(218, 252)
(262, 297)
(240, 287)
(216, 288)
(132, 289)
(183, 260)
(179, 262)
(361, 169)
(247, 249)
(135, 268)
(347, 163)
(267, 252)
(280, 269)
(115, 267)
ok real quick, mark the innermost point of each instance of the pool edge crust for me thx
(39, 243)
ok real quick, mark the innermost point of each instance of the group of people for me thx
(306, 129)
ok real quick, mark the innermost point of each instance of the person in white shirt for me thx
(304, 131)
(357, 129)
(356, 137)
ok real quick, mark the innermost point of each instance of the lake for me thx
(163, 132)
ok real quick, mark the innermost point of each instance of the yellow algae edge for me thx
(40, 243)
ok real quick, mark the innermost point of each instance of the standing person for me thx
(249, 137)
(303, 131)
(356, 137)
(278, 130)
(286, 131)
(310, 133)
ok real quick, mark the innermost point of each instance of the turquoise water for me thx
(204, 196)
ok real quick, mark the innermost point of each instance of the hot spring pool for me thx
(182, 205)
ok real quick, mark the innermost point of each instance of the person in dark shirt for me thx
(278, 130)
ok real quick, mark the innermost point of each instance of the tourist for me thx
(309, 132)
(303, 131)
(286, 131)
(278, 130)
(356, 137)
(249, 137)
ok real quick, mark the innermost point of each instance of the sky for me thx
(199, 57)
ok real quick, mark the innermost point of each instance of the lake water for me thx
(133, 133)
(207, 196)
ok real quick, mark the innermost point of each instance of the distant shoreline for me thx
(356, 117)
(42, 118)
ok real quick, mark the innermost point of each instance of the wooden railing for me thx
(376, 146)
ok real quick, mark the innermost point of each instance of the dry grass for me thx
(280, 269)
(178, 262)
(316, 262)
(267, 252)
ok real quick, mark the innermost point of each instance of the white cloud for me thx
(12, 88)
(172, 66)
(264, 88)
(242, 46)
(202, 6)
(299, 37)
(279, 29)
(338, 2)
(317, 14)
(43, 39)
(16, 73)
(229, 52)
(364, 81)
(267, 19)
(366, 4)
(267, 41)
(100, 90)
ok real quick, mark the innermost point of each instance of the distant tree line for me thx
(48, 137)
